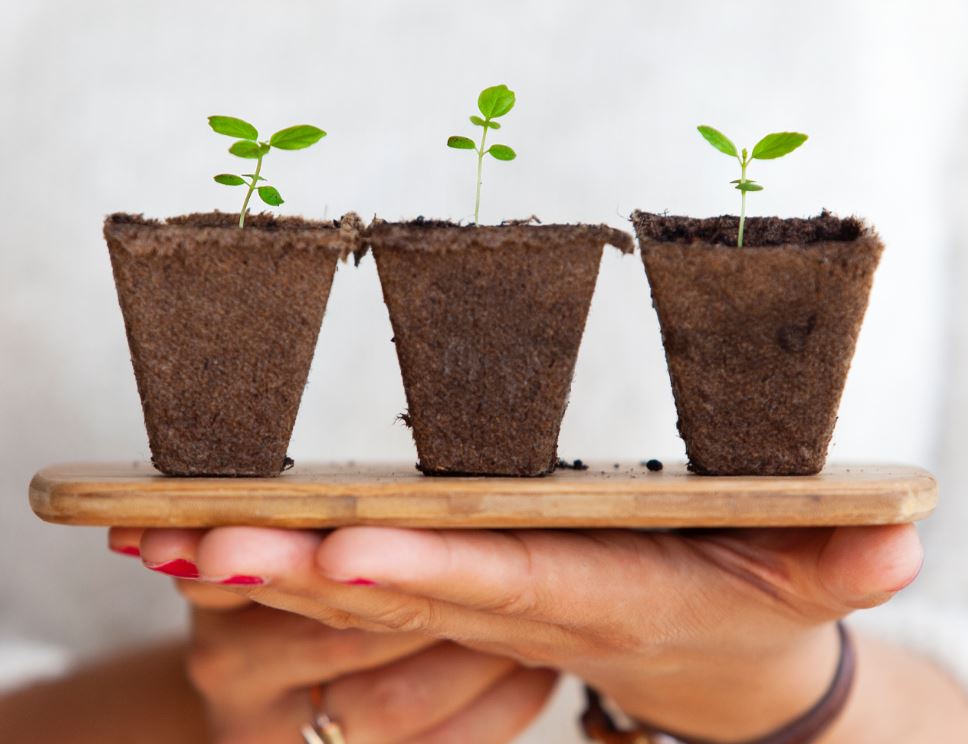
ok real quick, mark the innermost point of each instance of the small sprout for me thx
(772, 146)
(227, 179)
(493, 103)
(250, 147)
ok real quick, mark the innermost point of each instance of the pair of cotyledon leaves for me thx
(493, 103)
(248, 146)
(772, 146)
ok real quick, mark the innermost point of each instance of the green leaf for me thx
(718, 140)
(484, 123)
(495, 101)
(748, 186)
(461, 143)
(253, 175)
(270, 196)
(297, 137)
(502, 152)
(246, 149)
(232, 127)
(227, 179)
(778, 144)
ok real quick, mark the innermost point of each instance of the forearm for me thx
(900, 697)
(142, 696)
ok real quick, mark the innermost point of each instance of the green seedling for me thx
(250, 147)
(772, 146)
(493, 103)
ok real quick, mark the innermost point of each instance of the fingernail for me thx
(908, 581)
(359, 581)
(180, 568)
(127, 550)
(243, 580)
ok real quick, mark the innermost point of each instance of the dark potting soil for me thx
(487, 323)
(573, 465)
(758, 339)
(222, 325)
(758, 231)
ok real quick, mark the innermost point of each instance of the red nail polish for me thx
(127, 550)
(359, 581)
(243, 580)
(180, 568)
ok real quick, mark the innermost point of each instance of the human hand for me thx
(723, 634)
(254, 667)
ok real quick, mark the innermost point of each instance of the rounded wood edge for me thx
(39, 494)
(92, 503)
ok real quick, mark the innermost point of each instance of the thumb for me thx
(864, 567)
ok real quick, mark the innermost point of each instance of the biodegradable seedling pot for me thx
(487, 322)
(222, 324)
(758, 339)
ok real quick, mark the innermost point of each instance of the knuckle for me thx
(338, 619)
(520, 600)
(521, 597)
(414, 616)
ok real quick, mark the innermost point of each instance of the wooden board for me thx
(327, 495)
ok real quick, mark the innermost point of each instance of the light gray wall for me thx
(103, 106)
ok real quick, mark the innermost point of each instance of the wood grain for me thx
(328, 495)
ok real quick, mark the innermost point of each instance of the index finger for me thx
(547, 576)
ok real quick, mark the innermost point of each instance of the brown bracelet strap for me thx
(600, 727)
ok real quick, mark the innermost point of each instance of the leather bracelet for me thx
(599, 725)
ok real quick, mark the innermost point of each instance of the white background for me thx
(103, 107)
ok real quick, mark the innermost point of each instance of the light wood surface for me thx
(327, 495)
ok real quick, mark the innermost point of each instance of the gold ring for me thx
(323, 729)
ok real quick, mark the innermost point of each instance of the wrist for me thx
(736, 697)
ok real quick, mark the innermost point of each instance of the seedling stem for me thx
(744, 161)
(255, 180)
(480, 177)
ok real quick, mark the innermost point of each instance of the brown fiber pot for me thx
(758, 339)
(222, 324)
(487, 322)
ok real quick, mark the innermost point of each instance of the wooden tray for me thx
(328, 495)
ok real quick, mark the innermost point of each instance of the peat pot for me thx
(222, 324)
(487, 322)
(758, 339)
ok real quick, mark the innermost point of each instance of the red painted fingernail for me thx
(243, 580)
(359, 581)
(127, 550)
(179, 568)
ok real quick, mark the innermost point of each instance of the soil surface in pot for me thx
(487, 322)
(758, 339)
(222, 325)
